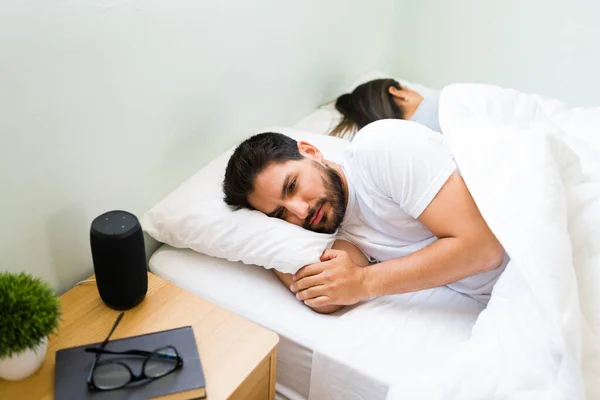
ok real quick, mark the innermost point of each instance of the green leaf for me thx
(29, 311)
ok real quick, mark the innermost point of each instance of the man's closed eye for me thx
(291, 187)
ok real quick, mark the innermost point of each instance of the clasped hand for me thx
(334, 280)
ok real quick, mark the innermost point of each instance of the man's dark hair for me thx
(249, 159)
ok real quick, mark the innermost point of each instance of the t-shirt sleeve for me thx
(405, 161)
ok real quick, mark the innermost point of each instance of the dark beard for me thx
(335, 196)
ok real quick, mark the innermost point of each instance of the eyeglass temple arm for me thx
(98, 350)
(112, 329)
(89, 377)
(132, 352)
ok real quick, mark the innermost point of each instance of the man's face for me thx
(306, 192)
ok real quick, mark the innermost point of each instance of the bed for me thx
(430, 323)
(539, 336)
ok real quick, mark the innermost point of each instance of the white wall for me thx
(110, 104)
(544, 46)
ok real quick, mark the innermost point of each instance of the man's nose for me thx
(299, 208)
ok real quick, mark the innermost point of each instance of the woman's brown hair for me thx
(369, 102)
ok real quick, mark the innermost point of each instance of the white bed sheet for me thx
(255, 294)
(413, 333)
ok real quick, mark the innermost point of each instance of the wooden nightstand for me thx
(238, 356)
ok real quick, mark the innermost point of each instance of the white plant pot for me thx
(24, 364)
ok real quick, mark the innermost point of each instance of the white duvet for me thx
(532, 165)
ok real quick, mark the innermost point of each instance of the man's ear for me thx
(308, 150)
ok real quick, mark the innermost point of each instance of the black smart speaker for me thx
(119, 259)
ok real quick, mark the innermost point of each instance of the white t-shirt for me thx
(394, 169)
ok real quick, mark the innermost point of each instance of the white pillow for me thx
(195, 216)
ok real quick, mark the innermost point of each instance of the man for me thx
(406, 219)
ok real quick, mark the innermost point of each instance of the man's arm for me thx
(466, 246)
(355, 254)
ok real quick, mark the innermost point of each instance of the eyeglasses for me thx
(114, 374)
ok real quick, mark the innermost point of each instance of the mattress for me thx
(410, 333)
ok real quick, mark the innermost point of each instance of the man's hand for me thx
(335, 280)
(342, 246)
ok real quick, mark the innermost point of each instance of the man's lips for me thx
(318, 216)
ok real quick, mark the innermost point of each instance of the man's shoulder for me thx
(391, 139)
(393, 133)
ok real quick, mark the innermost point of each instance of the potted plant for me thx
(29, 312)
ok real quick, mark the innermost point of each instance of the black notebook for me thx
(73, 365)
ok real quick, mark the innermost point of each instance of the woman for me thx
(385, 99)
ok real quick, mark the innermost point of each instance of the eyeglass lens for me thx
(156, 367)
(111, 376)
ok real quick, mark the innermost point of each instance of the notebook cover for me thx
(73, 365)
